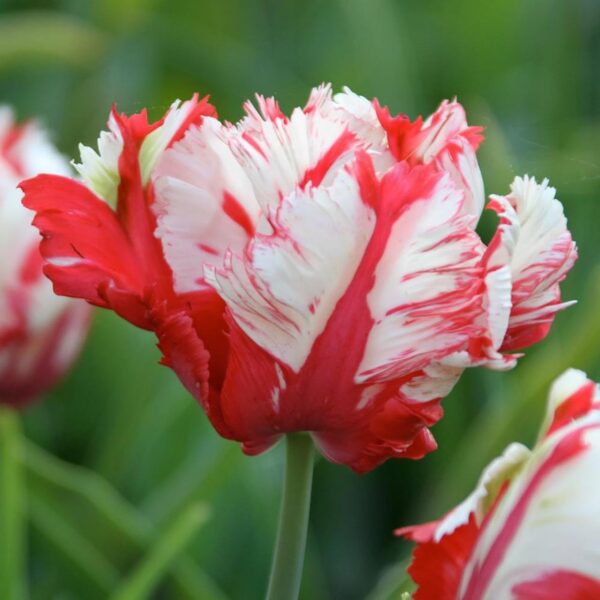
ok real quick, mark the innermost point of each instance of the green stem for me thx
(12, 524)
(286, 571)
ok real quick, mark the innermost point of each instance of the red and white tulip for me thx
(315, 272)
(530, 529)
(40, 333)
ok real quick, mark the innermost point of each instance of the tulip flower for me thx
(40, 333)
(318, 272)
(530, 529)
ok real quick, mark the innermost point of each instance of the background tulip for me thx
(40, 333)
(528, 531)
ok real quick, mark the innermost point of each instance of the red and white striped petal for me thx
(204, 202)
(555, 498)
(33, 360)
(530, 530)
(360, 117)
(571, 396)
(425, 299)
(445, 140)
(178, 120)
(497, 304)
(25, 150)
(280, 154)
(539, 259)
(284, 288)
(478, 503)
(17, 239)
(294, 292)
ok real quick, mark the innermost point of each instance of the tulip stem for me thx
(288, 560)
(12, 523)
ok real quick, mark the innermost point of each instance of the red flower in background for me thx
(318, 272)
(40, 333)
(530, 529)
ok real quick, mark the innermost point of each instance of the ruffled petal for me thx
(426, 296)
(280, 154)
(87, 253)
(542, 252)
(100, 170)
(445, 140)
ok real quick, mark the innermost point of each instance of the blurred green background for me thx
(139, 454)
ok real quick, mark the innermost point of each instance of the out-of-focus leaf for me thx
(79, 557)
(123, 14)
(118, 532)
(192, 482)
(148, 573)
(49, 37)
(394, 584)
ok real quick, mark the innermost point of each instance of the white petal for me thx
(436, 381)
(359, 113)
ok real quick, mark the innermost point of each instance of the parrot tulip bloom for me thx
(315, 272)
(530, 529)
(40, 333)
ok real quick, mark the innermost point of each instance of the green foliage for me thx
(120, 459)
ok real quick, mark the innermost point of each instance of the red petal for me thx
(87, 252)
(566, 585)
(577, 405)
(437, 567)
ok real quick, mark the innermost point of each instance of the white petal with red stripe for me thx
(283, 290)
(425, 298)
(205, 204)
(543, 254)
(545, 528)
(280, 154)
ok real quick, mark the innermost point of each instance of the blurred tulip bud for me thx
(40, 332)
